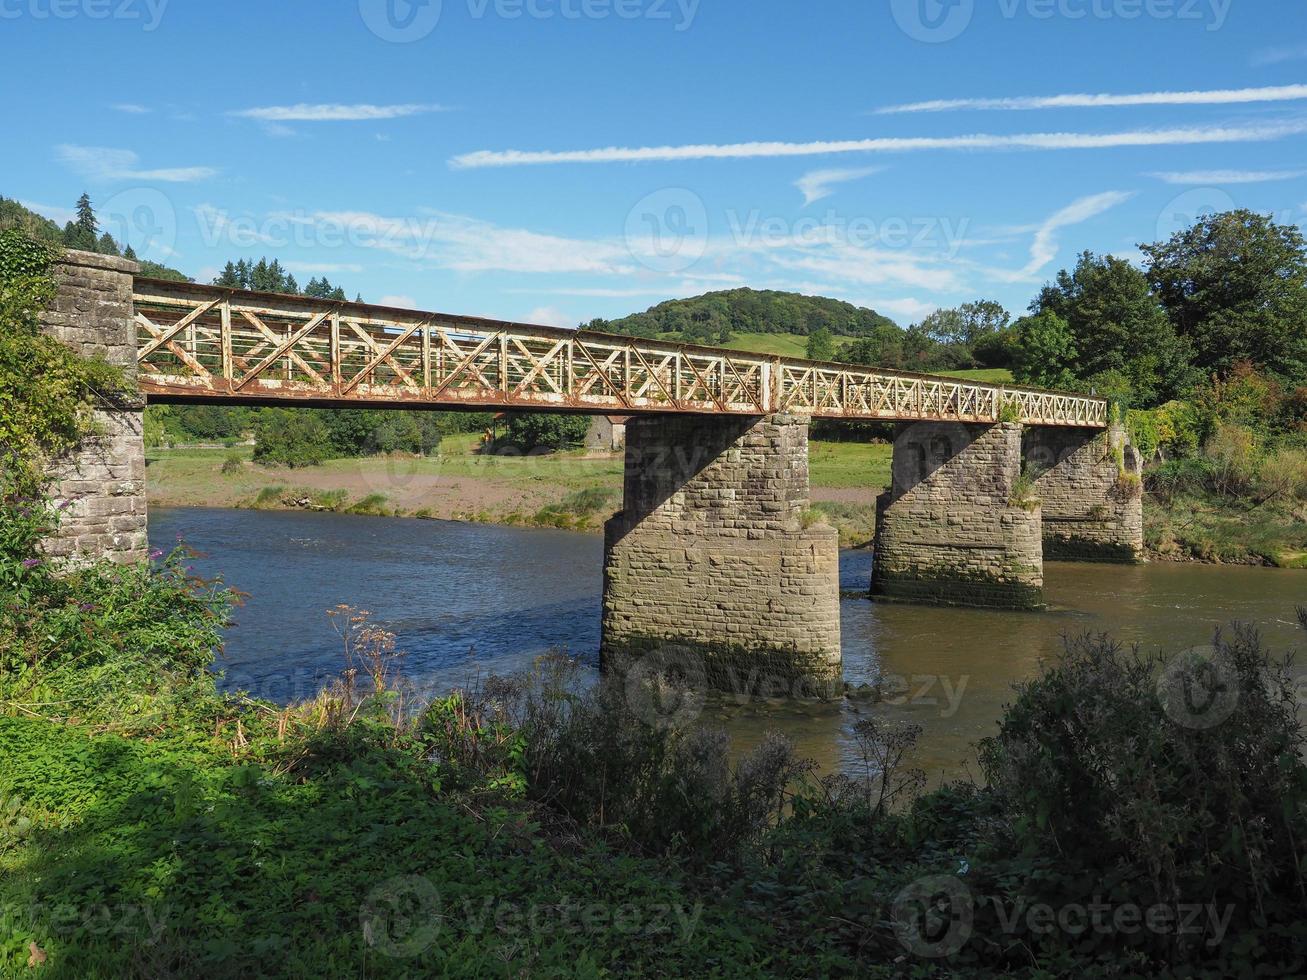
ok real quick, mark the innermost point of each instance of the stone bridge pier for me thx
(100, 486)
(1088, 482)
(713, 561)
(958, 527)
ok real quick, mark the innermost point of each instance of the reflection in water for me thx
(470, 599)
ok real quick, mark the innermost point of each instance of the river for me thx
(471, 599)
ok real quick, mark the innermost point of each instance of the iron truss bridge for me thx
(212, 344)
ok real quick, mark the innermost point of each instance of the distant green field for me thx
(782, 344)
(992, 375)
(796, 345)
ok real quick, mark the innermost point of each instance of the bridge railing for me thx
(208, 343)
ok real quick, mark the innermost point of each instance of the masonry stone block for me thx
(100, 487)
(714, 558)
(957, 527)
(1091, 494)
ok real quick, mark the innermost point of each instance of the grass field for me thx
(569, 489)
(781, 344)
(996, 376)
(796, 345)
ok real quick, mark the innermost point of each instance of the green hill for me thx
(720, 317)
(13, 214)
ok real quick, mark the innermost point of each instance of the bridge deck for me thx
(212, 344)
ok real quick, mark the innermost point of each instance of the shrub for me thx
(291, 437)
(1282, 476)
(46, 390)
(1162, 781)
(104, 640)
(1232, 452)
(1246, 398)
(1171, 429)
(588, 753)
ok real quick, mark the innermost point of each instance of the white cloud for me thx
(549, 316)
(1186, 136)
(464, 244)
(1227, 176)
(399, 300)
(1275, 56)
(871, 267)
(1277, 93)
(907, 307)
(816, 184)
(131, 108)
(305, 112)
(1044, 247)
(318, 268)
(102, 163)
(55, 213)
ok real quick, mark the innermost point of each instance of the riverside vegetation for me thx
(1136, 814)
(547, 824)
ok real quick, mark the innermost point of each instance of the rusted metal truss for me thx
(207, 343)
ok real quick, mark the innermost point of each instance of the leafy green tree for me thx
(291, 437)
(106, 245)
(1235, 286)
(540, 430)
(14, 215)
(1045, 351)
(1118, 328)
(323, 289)
(883, 347)
(966, 324)
(717, 316)
(821, 345)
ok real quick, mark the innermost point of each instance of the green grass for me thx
(990, 375)
(164, 857)
(850, 464)
(1213, 528)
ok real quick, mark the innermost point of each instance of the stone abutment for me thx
(100, 487)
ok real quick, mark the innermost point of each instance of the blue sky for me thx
(555, 160)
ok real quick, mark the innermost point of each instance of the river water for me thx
(468, 600)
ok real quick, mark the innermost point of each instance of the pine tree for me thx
(86, 216)
(229, 277)
(106, 245)
(129, 253)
